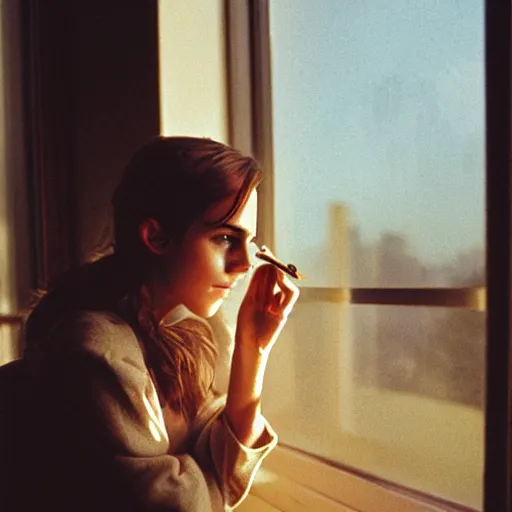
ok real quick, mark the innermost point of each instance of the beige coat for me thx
(109, 412)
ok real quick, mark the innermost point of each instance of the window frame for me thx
(250, 103)
(498, 446)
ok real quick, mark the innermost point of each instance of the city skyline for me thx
(380, 108)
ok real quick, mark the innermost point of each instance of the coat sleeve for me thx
(108, 401)
(218, 450)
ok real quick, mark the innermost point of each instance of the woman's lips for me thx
(223, 289)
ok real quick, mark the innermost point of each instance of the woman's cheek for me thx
(210, 260)
(220, 262)
(202, 257)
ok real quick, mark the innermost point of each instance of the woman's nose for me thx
(241, 263)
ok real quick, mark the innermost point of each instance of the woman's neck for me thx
(160, 301)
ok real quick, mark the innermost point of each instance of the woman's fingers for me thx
(262, 283)
(267, 304)
(280, 293)
(288, 291)
(256, 288)
(272, 290)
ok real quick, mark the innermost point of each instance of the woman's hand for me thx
(263, 313)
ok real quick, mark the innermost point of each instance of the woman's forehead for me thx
(245, 217)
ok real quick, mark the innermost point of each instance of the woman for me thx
(123, 361)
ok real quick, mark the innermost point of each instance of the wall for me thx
(14, 243)
(193, 76)
(115, 104)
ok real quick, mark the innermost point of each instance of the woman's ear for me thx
(153, 236)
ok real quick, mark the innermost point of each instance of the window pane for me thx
(378, 119)
(396, 392)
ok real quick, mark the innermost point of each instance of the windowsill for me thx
(292, 481)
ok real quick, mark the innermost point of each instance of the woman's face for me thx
(206, 265)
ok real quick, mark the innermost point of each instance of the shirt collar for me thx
(179, 313)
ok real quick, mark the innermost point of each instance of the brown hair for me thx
(174, 180)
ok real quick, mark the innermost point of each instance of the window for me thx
(378, 196)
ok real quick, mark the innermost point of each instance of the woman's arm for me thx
(263, 313)
(243, 406)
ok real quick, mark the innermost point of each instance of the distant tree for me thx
(434, 352)
(457, 356)
(456, 352)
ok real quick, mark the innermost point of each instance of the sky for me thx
(379, 105)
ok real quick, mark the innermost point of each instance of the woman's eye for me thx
(226, 240)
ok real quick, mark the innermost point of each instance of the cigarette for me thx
(266, 255)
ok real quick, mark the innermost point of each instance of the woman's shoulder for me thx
(101, 333)
(91, 323)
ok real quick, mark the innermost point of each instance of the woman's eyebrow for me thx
(237, 229)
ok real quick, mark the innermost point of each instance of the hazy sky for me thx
(379, 104)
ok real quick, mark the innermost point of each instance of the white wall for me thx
(193, 75)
